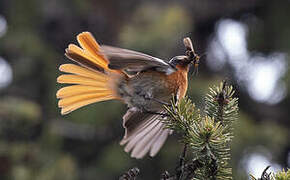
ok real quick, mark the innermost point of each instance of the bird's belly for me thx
(146, 91)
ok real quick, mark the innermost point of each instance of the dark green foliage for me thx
(282, 175)
(221, 105)
(207, 136)
(130, 175)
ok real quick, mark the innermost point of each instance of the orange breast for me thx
(177, 81)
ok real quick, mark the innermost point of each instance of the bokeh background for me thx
(245, 41)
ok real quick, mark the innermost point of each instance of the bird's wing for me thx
(144, 133)
(132, 61)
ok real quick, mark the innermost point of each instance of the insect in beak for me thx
(191, 55)
(195, 64)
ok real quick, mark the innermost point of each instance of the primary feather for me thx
(144, 133)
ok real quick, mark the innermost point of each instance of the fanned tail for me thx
(90, 80)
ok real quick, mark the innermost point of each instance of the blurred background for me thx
(245, 41)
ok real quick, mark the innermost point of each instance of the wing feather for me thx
(124, 59)
(144, 133)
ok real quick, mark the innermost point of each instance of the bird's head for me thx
(190, 58)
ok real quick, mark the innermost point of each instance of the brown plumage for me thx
(101, 74)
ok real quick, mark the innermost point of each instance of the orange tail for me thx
(90, 79)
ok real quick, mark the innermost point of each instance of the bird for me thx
(143, 82)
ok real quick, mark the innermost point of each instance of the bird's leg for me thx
(180, 169)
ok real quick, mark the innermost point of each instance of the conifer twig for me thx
(207, 137)
(181, 162)
(131, 174)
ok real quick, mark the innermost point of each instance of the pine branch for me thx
(221, 105)
(282, 175)
(188, 171)
(207, 137)
(131, 174)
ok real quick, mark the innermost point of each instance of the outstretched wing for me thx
(132, 61)
(144, 133)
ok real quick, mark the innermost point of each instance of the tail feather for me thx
(91, 80)
(78, 70)
(88, 42)
(83, 58)
(78, 90)
(75, 79)
(95, 58)
(74, 99)
(70, 108)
